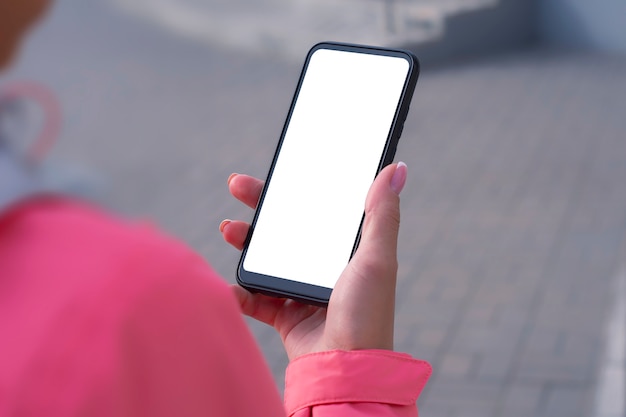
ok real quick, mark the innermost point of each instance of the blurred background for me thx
(512, 278)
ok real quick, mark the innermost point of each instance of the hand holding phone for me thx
(360, 313)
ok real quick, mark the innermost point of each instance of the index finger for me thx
(245, 188)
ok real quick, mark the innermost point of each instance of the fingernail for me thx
(230, 178)
(399, 178)
(223, 224)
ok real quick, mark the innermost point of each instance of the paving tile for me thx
(455, 366)
(565, 401)
(462, 395)
(495, 367)
(553, 368)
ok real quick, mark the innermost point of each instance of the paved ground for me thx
(514, 217)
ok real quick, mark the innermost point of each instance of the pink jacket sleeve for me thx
(359, 383)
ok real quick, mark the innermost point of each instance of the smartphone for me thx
(342, 128)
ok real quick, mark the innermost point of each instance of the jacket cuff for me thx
(372, 376)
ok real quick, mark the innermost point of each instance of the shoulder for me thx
(83, 249)
(140, 302)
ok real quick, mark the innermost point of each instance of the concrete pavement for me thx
(514, 216)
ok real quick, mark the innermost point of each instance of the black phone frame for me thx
(308, 293)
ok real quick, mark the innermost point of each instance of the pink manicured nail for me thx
(399, 177)
(223, 224)
(230, 178)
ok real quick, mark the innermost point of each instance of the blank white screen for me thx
(314, 203)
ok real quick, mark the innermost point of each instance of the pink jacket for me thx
(104, 318)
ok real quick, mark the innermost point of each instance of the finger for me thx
(260, 307)
(280, 313)
(245, 188)
(234, 232)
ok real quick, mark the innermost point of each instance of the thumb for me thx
(379, 238)
(361, 308)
